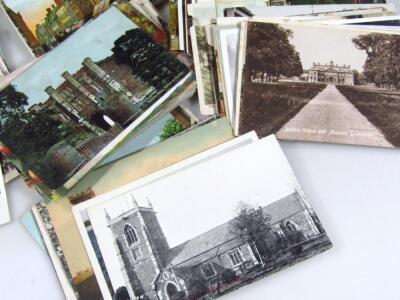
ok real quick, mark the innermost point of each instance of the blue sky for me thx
(94, 40)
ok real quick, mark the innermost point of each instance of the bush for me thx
(228, 276)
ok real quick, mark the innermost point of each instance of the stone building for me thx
(331, 73)
(98, 101)
(151, 268)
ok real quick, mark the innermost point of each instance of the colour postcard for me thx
(70, 113)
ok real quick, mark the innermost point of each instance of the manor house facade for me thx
(331, 73)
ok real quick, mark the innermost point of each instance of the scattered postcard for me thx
(340, 89)
(117, 174)
(4, 212)
(71, 113)
(157, 238)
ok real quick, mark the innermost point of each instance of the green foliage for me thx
(382, 66)
(172, 127)
(269, 51)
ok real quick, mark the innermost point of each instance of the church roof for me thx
(222, 238)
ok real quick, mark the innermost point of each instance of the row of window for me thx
(235, 257)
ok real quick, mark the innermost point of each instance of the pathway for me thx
(330, 117)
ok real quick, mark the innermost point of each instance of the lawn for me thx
(266, 107)
(381, 108)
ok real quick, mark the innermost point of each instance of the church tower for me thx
(141, 246)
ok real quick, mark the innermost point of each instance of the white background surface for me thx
(355, 192)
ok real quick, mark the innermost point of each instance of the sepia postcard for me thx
(116, 174)
(341, 88)
(71, 113)
(157, 238)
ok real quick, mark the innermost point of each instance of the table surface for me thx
(355, 192)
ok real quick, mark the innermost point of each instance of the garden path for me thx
(330, 117)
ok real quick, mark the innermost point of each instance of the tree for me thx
(172, 127)
(253, 226)
(12, 103)
(148, 60)
(269, 52)
(382, 66)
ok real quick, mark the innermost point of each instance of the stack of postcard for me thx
(153, 138)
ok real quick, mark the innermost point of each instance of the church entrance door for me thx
(171, 290)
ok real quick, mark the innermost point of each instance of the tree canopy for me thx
(148, 60)
(270, 51)
(253, 225)
(382, 66)
(172, 127)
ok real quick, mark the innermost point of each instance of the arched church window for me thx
(130, 234)
(291, 225)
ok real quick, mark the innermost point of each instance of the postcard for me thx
(306, 10)
(43, 24)
(49, 238)
(71, 115)
(4, 212)
(227, 46)
(30, 223)
(204, 63)
(8, 169)
(159, 239)
(121, 172)
(334, 91)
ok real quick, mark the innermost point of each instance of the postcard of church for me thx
(166, 236)
(325, 84)
(4, 211)
(72, 107)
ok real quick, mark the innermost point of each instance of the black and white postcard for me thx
(319, 83)
(201, 229)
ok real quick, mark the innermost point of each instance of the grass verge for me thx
(380, 108)
(266, 107)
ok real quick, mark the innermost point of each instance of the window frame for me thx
(232, 255)
(135, 240)
(210, 266)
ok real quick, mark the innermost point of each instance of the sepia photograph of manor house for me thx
(66, 112)
(321, 84)
(256, 242)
